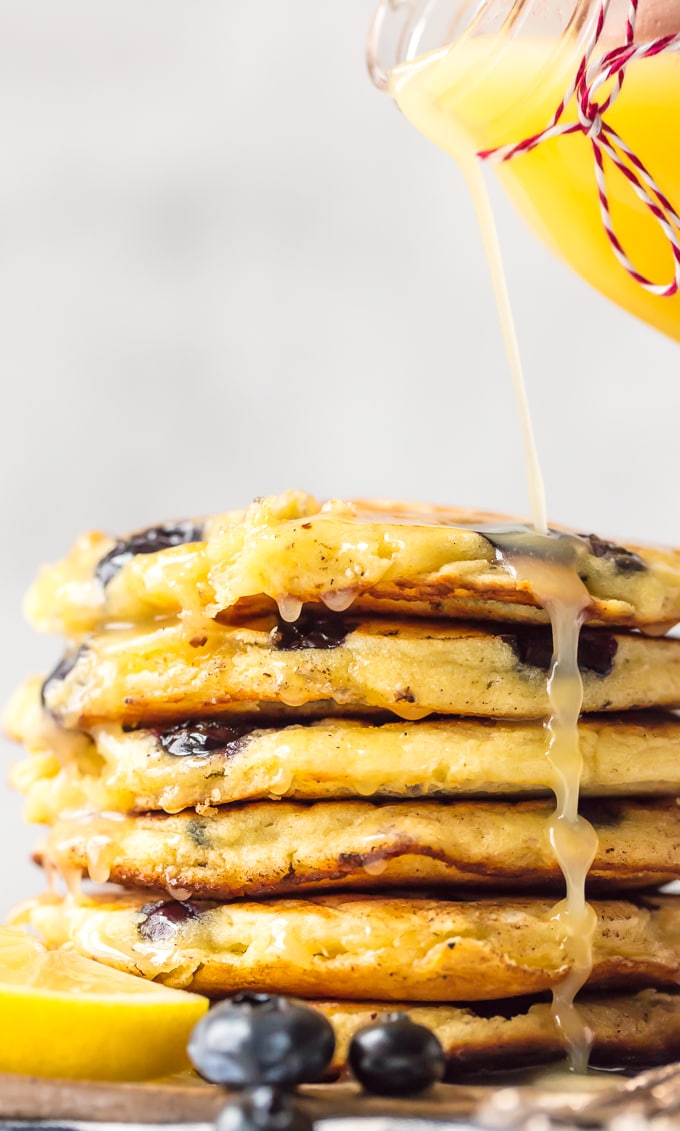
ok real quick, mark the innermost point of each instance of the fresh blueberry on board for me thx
(255, 1039)
(263, 1109)
(396, 1057)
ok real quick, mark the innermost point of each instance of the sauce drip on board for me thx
(546, 561)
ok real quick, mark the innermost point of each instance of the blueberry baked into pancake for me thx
(358, 946)
(200, 764)
(358, 667)
(307, 743)
(302, 846)
(382, 557)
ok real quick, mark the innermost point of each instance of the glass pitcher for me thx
(475, 75)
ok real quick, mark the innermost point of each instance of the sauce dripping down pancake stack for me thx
(315, 745)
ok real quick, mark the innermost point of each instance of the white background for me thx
(228, 266)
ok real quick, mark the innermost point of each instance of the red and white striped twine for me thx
(589, 79)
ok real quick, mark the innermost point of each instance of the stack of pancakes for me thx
(309, 743)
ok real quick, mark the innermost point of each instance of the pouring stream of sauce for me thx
(548, 562)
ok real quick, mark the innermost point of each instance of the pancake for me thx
(363, 946)
(387, 557)
(204, 764)
(628, 1030)
(326, 663)
(278, 848)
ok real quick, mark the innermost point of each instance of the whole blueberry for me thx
(148, 541)
(395, 1056)
(263, 1109)
(261, 1039)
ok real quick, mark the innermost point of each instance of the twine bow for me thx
(606, 143)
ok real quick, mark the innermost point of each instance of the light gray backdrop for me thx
(228, 266)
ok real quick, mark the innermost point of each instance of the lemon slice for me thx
(67, 1016)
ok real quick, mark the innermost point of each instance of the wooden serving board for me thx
(29, 1098)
